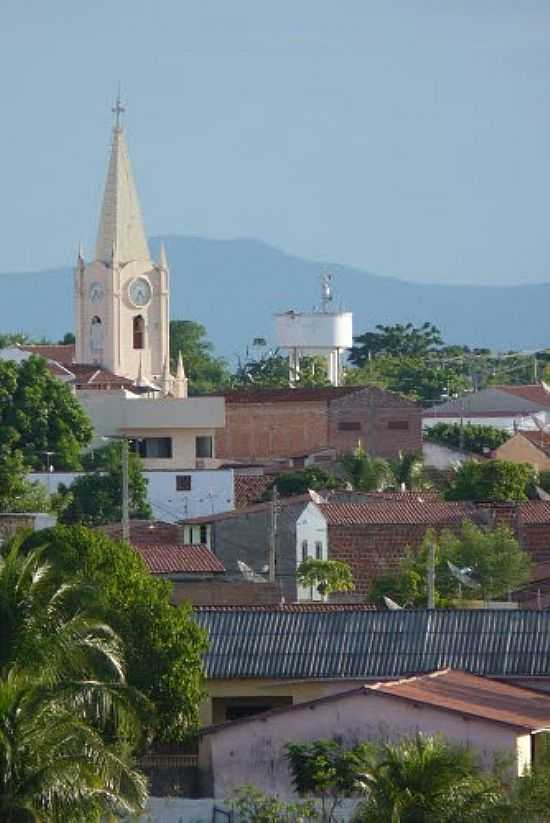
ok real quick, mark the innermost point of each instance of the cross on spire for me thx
(117, 110)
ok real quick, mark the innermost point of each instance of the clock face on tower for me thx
(96, 292)
(139, 291)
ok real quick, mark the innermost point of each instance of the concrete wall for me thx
(182, 420)
(10, 523)
(254, 751)
(212, 491)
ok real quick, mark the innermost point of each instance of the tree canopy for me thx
(273, 371)
(327, 576)
(68, 720)
(289, 484)
(471, 436)
(38, 413)
(498, 480)
(96, 497)
(163, 644)
(494, 558)
(205, 371)
(397, 341)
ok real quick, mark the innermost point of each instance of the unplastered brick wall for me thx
(12, 523)
(385, 423)
(226, 593)
(372, 550)
(272, 429)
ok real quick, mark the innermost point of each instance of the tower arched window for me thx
(139, 332)
(96, 334)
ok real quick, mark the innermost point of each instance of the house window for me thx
(204, 535)
(139, 332)
(349, 426)
(304, 549)
(203, 446)
(319, 550)
(402, 425)
(183, 482)
(153, 447)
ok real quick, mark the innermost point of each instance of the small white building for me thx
(173, 495)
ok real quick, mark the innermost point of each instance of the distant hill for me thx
(234, 286)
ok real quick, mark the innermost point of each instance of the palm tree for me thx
(424, 780)
(364, 472)
(407, 470)
(68, 721)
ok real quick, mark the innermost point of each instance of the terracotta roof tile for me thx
(535, 512)
(292, 608)
(145, 532)
(471, 695)
(535, 393)
(63, 354)
(303, 395)
(539, 439)
(411, 510)
(166, 558)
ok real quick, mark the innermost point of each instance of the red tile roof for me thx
(63, 354)
(166, 558)
(471, 695)
(91, 375)
(145, 532)
(539, 439)
(535, 512)
(411, 510)
(534, 393)
(292, 607)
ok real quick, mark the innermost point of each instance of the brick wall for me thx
(385, 423)
(259, 430)
(225, 593)
(372, 550)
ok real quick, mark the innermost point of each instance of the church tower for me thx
(122, 296)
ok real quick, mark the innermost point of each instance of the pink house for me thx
(493, 718)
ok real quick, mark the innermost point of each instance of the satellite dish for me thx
(463, 576)
(392, 605)
(248, 573)
(316, 498)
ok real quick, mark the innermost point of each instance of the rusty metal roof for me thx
(475, 696)
(359, 643)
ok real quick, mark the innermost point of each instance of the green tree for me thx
(328, 770)
(253, 806)
(206, 372)
(163, 644)
(12, 339)
(397, 340)
(68, 721)
(327, 576)
(289, 484)
(364, 472)
(407, 470)
(67, 339)
(498, 480)
(471, 436)
(494, 556)
(38, 413)
(273, 371)
(426, 780)
(96, 497)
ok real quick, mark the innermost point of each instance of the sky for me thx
(406, 137)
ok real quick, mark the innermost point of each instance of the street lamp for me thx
(125, 482)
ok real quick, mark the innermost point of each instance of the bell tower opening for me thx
(139, 332)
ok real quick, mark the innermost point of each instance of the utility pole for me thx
(273, 516)
(535, 369)
(431, 575)
(125, 492)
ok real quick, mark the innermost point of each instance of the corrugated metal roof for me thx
(370, 644)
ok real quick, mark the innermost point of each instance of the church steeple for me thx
(120, 223)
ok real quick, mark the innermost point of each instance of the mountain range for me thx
(233, 287)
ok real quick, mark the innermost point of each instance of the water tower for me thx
(322, 332)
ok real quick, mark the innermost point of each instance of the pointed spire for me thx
(180, 373)
(180, 382)
(80, 251)
(167, 378)
(120, 222)
(163, 262)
